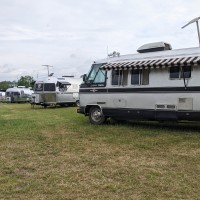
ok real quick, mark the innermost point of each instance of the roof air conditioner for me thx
(156, 46)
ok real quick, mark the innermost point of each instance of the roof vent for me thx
(152, 47)
(21, 86)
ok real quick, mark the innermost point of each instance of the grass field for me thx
(56, 154)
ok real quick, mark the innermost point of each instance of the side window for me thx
(140, 77)
(186, 71)
(63, 87)
(135, 77)
(174, 72)
(119, 77)
(116, 77)
(16, 94)
(178, 72)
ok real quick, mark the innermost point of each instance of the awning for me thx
(153, 63)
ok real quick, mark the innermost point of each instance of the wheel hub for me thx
(97, 115)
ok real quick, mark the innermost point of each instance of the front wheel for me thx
(96, 116)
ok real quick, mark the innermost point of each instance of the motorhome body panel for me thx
(139, 101)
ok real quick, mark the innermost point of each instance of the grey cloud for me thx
(70, 35)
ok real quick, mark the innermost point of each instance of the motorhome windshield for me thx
(96, 75)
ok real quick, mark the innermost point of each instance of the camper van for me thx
(157, 83)
(18, 94)
(52, 91)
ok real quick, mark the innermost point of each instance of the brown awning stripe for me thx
(153, 63)
(148, 63)
(164, 63)
(178, 61)
(184, 60)
(196, 60)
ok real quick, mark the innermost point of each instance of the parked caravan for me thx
(2, 96)
(18, 94)
(157, 83)
(52, 91)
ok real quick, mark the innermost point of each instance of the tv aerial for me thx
(48, 66)
(197, 23)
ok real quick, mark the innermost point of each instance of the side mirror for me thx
(84, 77)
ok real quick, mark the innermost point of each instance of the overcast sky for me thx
(70, 35)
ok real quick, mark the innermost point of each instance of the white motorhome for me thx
(18, 94)
(155, 84)
(52, 91)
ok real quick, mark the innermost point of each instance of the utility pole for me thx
(47, 68)
(197, 23)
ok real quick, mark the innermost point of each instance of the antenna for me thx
(107, 55)
(47, 68)
(197, 23)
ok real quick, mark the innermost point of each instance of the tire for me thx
(96, 116)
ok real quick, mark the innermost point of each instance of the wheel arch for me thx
(87, 108)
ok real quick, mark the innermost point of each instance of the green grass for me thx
(57, 154)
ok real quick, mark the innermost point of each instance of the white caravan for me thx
(2, 96)
(18, 94)
(155, 84)
(52, 91)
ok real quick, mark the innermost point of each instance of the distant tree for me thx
(26, 81)
(4, 85)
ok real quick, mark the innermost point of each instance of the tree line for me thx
(26, 81)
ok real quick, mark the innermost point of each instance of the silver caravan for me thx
(52, 91)
(2, 96)
(157, 83)
(18, 94)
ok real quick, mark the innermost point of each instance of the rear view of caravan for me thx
(18, 94)
(52, 91)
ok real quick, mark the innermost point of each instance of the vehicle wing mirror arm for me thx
(84, 77)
